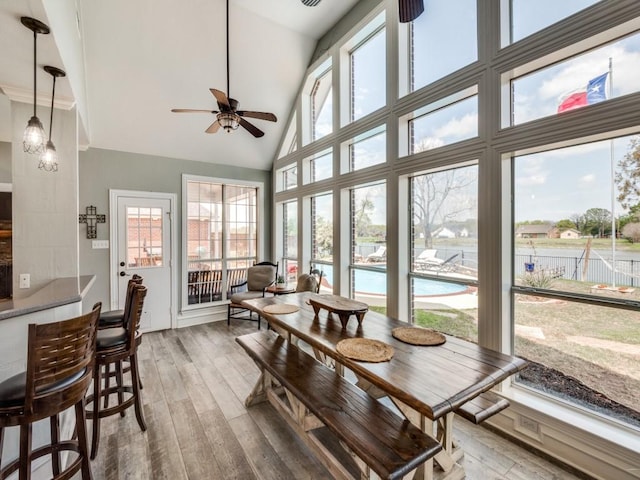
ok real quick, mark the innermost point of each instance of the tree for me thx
(631, 231)
(579, 222)
(361, 216)
(441, 197)
(627, 177)
(598, 221)
(565, 224)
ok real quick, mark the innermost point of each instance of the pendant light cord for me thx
(53, 95)
(35, 39)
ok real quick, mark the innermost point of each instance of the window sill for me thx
(599, 446)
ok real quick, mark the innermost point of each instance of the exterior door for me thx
(143, 244)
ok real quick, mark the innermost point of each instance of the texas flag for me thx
(594, 92)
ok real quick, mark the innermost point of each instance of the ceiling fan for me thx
(409, 10)
(228, 116)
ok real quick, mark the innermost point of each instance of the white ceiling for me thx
(143, 58)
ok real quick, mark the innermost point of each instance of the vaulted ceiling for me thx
(129, 63)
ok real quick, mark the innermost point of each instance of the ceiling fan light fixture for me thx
(228, 121)
(34, 137)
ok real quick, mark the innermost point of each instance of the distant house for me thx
(542, 230)
(444, 232)
(570, 233)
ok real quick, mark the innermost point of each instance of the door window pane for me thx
(144, 237)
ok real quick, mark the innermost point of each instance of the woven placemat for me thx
(365, 350)
(418, 336)
(281, 308)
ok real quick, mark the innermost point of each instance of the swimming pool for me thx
(368, 282)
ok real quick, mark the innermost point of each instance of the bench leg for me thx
(258, 393)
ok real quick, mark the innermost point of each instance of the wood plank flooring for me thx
(195, 382)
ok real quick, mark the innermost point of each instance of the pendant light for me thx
(49, 158)
(33, 140)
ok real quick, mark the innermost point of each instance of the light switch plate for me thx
(99, 243)
(25, 280)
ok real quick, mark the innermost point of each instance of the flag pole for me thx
(613, 192)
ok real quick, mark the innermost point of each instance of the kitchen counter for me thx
(61, 291)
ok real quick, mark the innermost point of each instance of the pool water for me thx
(376, 283)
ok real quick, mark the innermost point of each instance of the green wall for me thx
(101, 170)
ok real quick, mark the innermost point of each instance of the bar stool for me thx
(60, 362)
(115, 346)
(114, 318)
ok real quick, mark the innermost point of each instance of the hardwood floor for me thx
(195, 382)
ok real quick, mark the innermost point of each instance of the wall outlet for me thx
(25, 280)
(100, 244)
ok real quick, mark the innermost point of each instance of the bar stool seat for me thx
(60, 363)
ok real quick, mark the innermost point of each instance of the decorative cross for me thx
(91, 218)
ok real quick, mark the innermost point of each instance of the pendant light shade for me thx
(33, 140)
(49, 157)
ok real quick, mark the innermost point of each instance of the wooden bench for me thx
(482, 407)
(309, 395)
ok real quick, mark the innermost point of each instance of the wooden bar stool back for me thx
(59, 370)
(115, 346)
(114, 318)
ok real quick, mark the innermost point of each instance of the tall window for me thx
(221, 236)
(369, 241)
(434, 126)
(444, 237)
(367, 149)
(529, 17)
(575, 265)
(290, 240)
(587, 79)
(318, 103)
(318, 167)
(441, 41)
(368, 85)
(322, 228)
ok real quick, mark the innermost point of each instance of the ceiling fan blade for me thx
(213, 128)
(190, 110)
(252, 129)
(410, 10)
(222, 99)
(260, 115)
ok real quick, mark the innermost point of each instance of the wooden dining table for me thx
(426, 383)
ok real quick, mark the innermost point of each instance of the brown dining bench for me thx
(485, 405)
(313, 399)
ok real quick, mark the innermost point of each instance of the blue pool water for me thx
(376, 283)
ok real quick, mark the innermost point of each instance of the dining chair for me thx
(259, 277)
(60, 361)
(113, 347)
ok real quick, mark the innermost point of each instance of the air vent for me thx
(310, 3)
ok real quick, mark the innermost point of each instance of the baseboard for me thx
(593, 447)
(190, 318)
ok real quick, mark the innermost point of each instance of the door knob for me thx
(123, 274)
